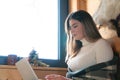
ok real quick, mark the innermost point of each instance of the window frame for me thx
(62, 14)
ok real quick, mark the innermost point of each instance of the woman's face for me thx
(76, 29)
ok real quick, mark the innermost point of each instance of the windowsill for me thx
(35, 68)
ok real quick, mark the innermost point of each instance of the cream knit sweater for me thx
(91, 54)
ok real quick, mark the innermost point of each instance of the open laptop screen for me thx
(26, 70)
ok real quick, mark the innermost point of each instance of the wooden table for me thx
(10, 72)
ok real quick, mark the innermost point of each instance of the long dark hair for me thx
(92, 34)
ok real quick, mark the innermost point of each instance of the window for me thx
(25, 25)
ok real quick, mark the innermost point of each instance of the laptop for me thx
(26, 70)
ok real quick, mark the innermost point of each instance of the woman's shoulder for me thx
(103, 50)
(102, 41)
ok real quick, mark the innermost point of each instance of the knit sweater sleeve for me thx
(103, 51)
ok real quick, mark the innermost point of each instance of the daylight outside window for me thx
(27, 25)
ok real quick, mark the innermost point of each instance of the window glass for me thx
(27, 25)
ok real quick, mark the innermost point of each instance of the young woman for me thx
(85, 47)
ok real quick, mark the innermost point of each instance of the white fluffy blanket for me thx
(107, 10)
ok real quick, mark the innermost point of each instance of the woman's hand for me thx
(55, 77)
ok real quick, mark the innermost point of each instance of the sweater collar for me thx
(85, 42)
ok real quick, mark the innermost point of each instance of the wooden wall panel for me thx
(75, 5)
